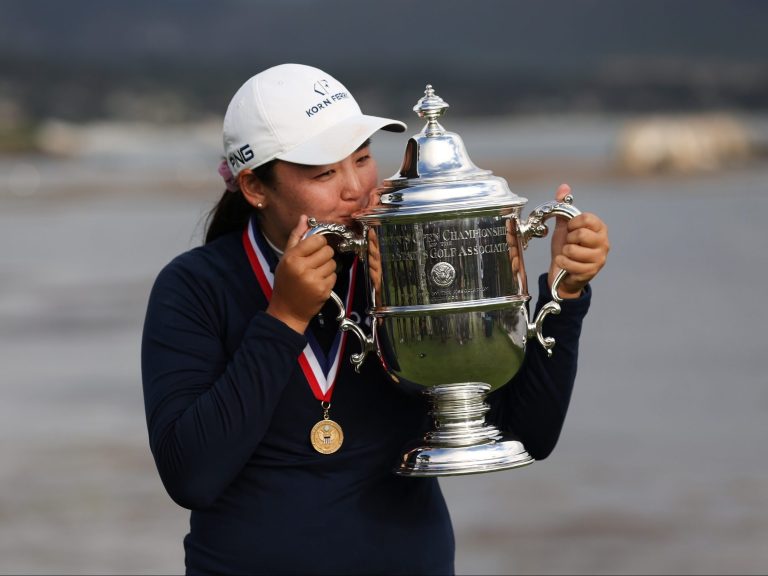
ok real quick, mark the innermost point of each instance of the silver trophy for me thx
(448, 293)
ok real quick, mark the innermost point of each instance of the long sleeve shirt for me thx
(229, 413)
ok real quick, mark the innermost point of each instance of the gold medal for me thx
(326, 435)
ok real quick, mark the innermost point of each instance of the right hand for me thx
(304, 278)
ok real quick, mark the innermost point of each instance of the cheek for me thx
(371, 177)
(318, 202)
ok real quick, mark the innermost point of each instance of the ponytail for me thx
(233, 211)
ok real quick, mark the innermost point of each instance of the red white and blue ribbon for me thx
(319, 369)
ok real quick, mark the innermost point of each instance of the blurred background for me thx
(655, 112)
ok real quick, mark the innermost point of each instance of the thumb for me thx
(295, 236)
(561, 226)
(562, 191)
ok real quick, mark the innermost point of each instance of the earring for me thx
(259, 205)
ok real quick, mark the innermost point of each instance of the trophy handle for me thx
(534, 227)
(346, 241)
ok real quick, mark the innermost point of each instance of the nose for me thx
(352, 189)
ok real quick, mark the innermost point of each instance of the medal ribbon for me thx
(319, 370)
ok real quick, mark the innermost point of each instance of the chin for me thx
(347, 220)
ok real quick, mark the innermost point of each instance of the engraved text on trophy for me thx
(447, 261)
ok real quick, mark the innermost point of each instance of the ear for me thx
(253, 189)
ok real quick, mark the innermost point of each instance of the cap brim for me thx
(339, 141)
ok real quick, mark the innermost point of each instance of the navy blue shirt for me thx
(229, 413)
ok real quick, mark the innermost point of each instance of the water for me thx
(661, 467)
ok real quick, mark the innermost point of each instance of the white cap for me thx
(298, 114)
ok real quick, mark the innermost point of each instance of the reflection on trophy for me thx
(448, 293)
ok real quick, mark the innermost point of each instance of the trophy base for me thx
(462, 442)
(454, 461)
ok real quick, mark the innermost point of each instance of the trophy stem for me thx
(462, 442)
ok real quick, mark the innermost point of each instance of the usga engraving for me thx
(443, 274)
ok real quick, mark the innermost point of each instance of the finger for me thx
(588, 238)
(317, 258)
(583, 254)
(562, 191)
(561, 223)
(587, 220)
(324, 287)
(373, 246)
(584, 237)
(580, 271)
(295, 236)
(310, 245)
(327, 269)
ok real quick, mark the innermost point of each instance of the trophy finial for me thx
(431, 107)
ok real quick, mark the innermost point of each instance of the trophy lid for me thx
(437, 176)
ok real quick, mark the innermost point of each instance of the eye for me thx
(324, 175)
(363, 159)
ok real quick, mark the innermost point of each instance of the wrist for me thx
(293, 322)
(567, 294)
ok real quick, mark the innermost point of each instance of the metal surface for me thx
(437, 176)
(462, 443)
(443, 251)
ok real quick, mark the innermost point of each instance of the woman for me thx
(245, 376)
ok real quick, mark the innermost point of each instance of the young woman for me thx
(242, 359)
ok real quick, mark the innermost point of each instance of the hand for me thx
(374, 263)
(304, 278)
(580, 246)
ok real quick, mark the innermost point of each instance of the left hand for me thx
(374, 262)
(580, 246)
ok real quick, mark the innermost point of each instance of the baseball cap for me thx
(298, 114)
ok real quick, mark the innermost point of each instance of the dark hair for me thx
(233, 211)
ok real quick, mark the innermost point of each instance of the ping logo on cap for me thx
(240, 156)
